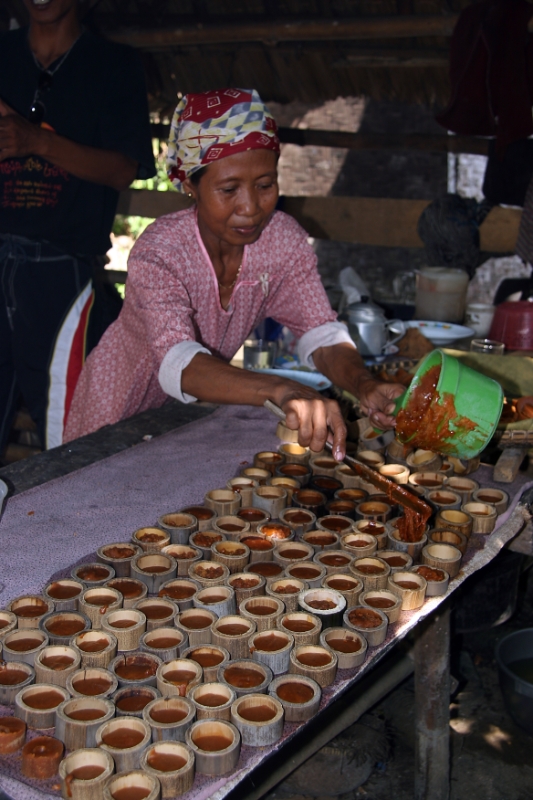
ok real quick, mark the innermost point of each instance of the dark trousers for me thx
(45, 300)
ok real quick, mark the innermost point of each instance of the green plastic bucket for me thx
(476, 397)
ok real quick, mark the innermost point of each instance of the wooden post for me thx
(432, 701)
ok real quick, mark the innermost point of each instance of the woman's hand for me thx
(377, 401)
(317, 420)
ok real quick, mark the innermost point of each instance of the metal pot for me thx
(370, 329)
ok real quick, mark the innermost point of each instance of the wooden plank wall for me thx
(363, 220)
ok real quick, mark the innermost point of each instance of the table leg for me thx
(432, 703)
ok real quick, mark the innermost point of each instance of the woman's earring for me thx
(189, 194)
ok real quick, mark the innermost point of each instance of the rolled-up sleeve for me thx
(178, 357)
(327, 335)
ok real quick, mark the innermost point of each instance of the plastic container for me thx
(441, 294)
(513, 325)
(517, 692)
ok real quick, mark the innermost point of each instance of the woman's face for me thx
(236, 196)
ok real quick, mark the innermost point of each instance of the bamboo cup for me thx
(299, 695)
(424, 461)
(93, 574)
(12, 735)
(84, 774)
(261, 547)
(447, 468)
(259, 719)
(210, 657)
(180, 590)
(30, 609)
(360, 544)
(323, 465)
(254, 516)
(290, 553)
(138, 782)
(294, 453)
(298, 472)
(178, 525)
(92, 682)
(373, 510)
(412, 549)
(257, 474)
(264, 611)
(368, 622)
(231, 526)
(159, 612)
(348, 585)
(464, 466)
(61, 626)
(223, 502)
(212, 700)
(422, 482)
(234, 555)
(246, 585)
(454, 538)
(287, 590)
(315, 662)
(64, 594)
(273, 649)
(442, 556)
(464, 487)
(386, 600)
(304, 627)
(204, 540)
(78, 719)
(130, 701)
(349, 647)
(96, 648)
(232, 633)
(345, 474)
(119, 555)
(154, 569)
(334, 561)
(380, 531)
(309, 571)
(14, 676)
(494, 497)
(285, 434)
(165, 643)
(218, 599)
(437, 579)
(172, 764)
(178, 676)
(204, 516)
(397, 561)
(151, 540)
(136, 669)
(335, 523)
(94, 603)
(290, 485)
(125, 739)
(483, 515)
(196, 623)
(371, 458)
(246, 677)
(299, 520)
(444, 499)
(55, 663)
(455, 521)
(206, 735)
(326, 604)
(169, 718)
(37, 705)
(8, 623)
(269, 460)
(127, 624)
(184, 555)
(243, 486)
(209, 574)
(395, 472)
(271, 499)
(396, 451)
(310, 500)
(269, 570)
(410, 587)
(321, 540)
(131, 590)
(345, 508)
(23, 645)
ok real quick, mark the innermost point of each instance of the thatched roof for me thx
(306, 50)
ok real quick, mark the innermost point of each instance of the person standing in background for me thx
(74, 132)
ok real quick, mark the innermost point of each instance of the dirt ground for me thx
(491, 757)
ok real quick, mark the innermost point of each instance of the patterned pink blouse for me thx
(172, 298)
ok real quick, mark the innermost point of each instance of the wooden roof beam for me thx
(398, 27)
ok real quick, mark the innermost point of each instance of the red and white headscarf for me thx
(211, 125)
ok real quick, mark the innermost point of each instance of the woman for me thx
(200, 280)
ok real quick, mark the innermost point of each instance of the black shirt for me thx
(98, 98)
